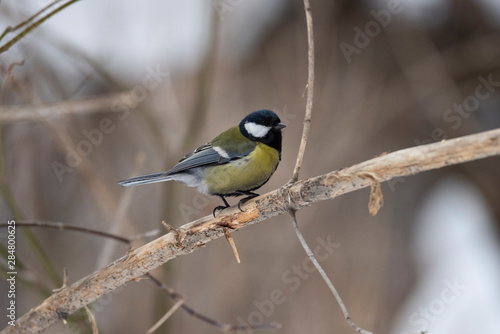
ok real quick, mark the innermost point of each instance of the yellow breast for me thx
(244, 174)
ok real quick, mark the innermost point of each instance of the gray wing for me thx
(205, 155)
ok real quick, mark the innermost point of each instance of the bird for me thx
(237, 162)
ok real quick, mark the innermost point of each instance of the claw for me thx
(243, 200)
(221, 207)
(218, 208)
(239, 205)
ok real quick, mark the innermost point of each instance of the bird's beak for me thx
(279, 126)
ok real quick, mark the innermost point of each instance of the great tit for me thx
(235, 163)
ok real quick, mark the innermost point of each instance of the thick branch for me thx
(193, 235)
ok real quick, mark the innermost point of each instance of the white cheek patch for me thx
(257, 130)
(221, 151)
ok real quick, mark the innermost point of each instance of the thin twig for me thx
(65, 281)
(92, 321)
(80, 106)
(28, 20)
(300, 156)
(327, 280)
(34, 25)
(166, 316)
(301, 194)
(62, 226)
(32, 239)
(220, 325)
(310, 92)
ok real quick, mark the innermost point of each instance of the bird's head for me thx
(260, 124)
(263, 126)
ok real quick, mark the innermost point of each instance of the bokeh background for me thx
(113, 89)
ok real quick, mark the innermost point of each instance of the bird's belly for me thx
(243, 174)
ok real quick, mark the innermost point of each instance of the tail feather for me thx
(145, 179)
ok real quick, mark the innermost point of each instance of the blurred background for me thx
(107, 90)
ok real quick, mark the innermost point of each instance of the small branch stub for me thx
(230, 240)
(376, 198)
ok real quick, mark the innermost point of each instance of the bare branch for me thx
(310, 92)
(20, 113)
(325, 277)
(304, 193)
(220, 325)
(62, 226)
(28, 20)
(92, 320)
(65, 281)
(374, 205)
(33, 26)
(166, 316)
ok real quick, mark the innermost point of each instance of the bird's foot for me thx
(243, 200)
(219, 208)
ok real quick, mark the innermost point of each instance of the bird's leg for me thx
(220, 207)
(249, 194)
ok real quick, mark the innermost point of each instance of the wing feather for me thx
(202, 156)
(209, 154)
